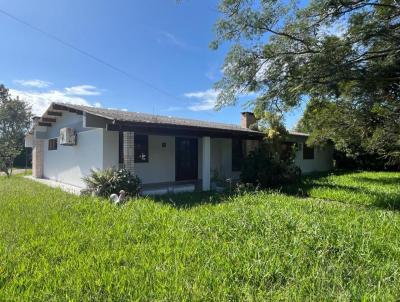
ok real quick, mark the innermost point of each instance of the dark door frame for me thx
(194, 157)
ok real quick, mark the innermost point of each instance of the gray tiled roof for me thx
(145, 118)
(125, 116)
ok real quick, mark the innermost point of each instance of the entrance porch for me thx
(181, 163)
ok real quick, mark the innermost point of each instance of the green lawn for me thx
(377, 189)
(341, 243)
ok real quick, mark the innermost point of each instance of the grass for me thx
(265, 246)
(377, 189)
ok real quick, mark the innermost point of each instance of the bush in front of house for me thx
(264, 170)
(246, 188)
(108, 181)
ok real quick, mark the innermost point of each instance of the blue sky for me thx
(161, 44)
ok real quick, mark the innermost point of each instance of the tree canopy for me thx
(341, 55)
(15, 117)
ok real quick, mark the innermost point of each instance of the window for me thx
(52, 144)
(120, 147)
(141, 148)
(308, 152)
(237, 154)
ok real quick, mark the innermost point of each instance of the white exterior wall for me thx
(221, 158)
(323, 157)
(323, 160)
(110, 149)
(161, 164)
(96, 149)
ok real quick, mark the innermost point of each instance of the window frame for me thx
(145, 142)
(52, 144)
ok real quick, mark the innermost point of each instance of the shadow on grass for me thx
(190, 200)
(363, 196)
(358, 195)
(380, 181)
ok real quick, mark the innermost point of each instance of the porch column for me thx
(206, 166)
(129, 151)
(37, 158)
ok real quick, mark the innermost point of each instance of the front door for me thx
(185, 158)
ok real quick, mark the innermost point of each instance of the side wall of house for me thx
(96, 148)
(323, 160)
(68, 164)
(323, 157)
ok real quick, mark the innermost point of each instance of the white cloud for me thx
(82, 90)
(40, 101)
(33, 83)
(206, 99)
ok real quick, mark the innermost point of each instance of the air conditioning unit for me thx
(67, 137)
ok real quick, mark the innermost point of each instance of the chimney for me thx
(35, 121)
(247, 119)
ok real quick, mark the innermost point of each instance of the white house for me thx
(166, 153)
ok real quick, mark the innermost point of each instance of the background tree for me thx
(343, 55)
(370, 137)
(15, 117)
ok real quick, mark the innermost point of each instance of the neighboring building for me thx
(168, 154)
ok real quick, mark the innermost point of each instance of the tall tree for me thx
(15, 117)
(344, 55)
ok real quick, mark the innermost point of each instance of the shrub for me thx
(264, 170)
(109, 181)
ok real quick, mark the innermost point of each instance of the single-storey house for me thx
(167, 153)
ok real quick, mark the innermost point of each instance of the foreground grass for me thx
(55, 246)
(377, 189)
